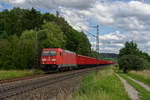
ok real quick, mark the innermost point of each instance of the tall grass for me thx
(143, 76)
(103, 85)
(15, 73)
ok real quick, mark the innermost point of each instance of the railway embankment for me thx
(45, 87)
(10, 74)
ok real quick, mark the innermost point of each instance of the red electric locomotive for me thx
(56, 58)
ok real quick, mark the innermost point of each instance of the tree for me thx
(17, 53)
(84, 46)
(10, 53)
(48, 18)
(129, 49)
(3, 47)
(31, 19)
(93, 54)
(130, 62)
(131, 58)
(27, 41)
(51, 36)
(10, 22)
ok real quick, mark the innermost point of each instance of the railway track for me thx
(21, 87)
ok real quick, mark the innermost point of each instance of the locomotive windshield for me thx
(49, 53)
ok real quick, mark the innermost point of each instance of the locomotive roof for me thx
(86, 56)
(67, 51)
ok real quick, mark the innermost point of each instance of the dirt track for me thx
(141, 84)
(132, 92)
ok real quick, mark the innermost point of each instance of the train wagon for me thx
(84, 61)
(57, 59)
(102, 62)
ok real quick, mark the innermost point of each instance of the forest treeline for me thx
(109, 57)
(17, 37)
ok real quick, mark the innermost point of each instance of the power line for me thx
(96, 36)
(91, 34)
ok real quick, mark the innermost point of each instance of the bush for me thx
(131, 62)
(116, 68)
(146, 65)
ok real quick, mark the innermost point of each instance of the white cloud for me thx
(0, 6)
(50, 4)
(81, 4)
(128, 16)
(131, 15)
(17, 1)
(78, 22)
(117, 41)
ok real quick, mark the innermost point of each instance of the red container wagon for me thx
(56, 58)
(102, 62)
(84, 61)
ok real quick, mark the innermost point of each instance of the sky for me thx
(119, 20)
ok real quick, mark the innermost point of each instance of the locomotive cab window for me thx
(60, 53)
(52, 53)
(45, 53)
(49, 53)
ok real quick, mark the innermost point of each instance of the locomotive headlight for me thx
(53, 59)
(43, 59)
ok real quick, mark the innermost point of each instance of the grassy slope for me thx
(15, 73)
(103, 85)
(143, 76)
(144, 95)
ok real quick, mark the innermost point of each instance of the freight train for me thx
(57, 59)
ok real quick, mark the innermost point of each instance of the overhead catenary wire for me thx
(95, 36)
